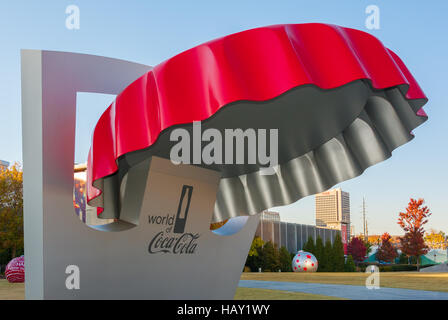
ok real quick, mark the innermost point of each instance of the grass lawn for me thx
(405, 280)
(265, 294)
(11, 291)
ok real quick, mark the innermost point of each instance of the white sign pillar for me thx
(169, 254)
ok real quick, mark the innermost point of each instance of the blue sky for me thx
(152, 31)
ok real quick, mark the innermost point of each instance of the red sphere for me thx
(15, 270)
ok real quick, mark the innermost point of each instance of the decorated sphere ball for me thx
(15, 270)
(304, 262)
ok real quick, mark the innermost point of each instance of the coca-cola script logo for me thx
(173, 239)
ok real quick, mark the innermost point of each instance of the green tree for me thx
(270, 257)
(285, 259)
(319, 251)
(326, 264)
(338, 258)
(309, 245)
(350, 265)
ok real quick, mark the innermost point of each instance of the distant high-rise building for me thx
(333, 209)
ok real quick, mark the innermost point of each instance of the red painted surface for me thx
(257, 65)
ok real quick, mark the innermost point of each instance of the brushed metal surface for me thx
(113, 265)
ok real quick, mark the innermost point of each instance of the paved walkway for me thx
(346, 291)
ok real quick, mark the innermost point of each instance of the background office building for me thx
(292, 236)
(333, 209)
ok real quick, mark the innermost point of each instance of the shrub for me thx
(403, 267)
(349, 265)
(389, 267)
(385, 269)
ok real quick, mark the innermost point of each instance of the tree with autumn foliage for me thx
(357, 249)
(436, 240)
(412, 222)
(217, 225)
(255, 252)
(386, 251)
(11, 210)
